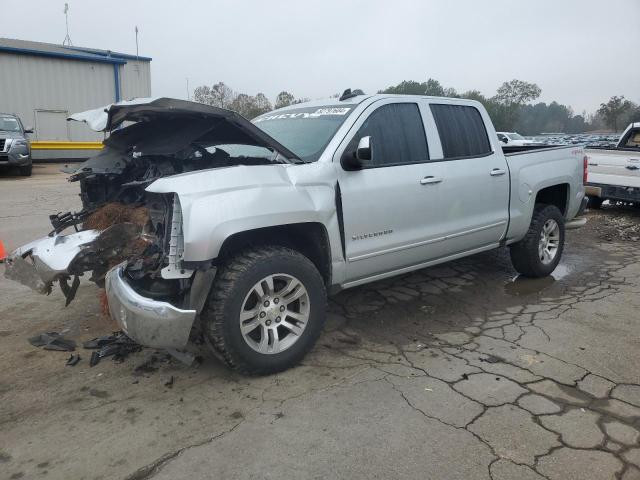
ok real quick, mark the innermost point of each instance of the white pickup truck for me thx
(513, 139)
(614, 173)
(239, 229)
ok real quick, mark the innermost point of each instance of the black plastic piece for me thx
(73, 360)
(53, 341)
(348, 93)
(69, 291)
(60, 220)
(117, 345)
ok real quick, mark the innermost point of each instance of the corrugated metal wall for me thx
(43, 91)
(135, 79)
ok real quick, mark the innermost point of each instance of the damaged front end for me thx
(129, 238)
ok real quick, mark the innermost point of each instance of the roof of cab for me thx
(356, 100)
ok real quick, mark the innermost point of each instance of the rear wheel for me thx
(539, 252)
(595, 203)
(266, 310)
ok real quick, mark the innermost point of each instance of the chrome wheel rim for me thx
(549, 241)
(274, 313)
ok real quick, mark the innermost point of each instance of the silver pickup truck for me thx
(238, 229)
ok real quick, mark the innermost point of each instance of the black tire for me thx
(234, 280)
(524, 254)
(594, 203)
(26, 170)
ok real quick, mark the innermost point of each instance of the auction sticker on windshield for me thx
(305, 131)
(315, 114)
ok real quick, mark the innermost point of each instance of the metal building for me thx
(44, 83)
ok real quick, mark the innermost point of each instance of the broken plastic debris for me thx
(73, 360)
(182, 356)
(53, 341)
(117, 345)
(490, 359)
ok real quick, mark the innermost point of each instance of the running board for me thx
(575, 223)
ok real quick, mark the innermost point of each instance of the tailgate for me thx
(614, 167)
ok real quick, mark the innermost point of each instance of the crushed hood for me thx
(183, 121)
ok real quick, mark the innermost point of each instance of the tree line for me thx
(511, 108)
(249, 106)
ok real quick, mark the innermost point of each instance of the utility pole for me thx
(67, 39)
(188, 91)
(137, 44)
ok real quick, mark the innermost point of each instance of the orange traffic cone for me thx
(3, 253)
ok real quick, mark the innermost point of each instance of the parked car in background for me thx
(513, 139)
(614, 172)
(15, 149)
(241, 228)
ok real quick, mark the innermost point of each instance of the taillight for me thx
(585, 173)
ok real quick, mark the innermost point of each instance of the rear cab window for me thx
(632, 139)
(462, 131)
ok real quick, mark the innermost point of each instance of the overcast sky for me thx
(580, 52)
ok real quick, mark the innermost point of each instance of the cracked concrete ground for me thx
(460, 372)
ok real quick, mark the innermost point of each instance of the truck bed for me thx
(618, 167)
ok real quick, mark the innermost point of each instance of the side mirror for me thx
(505, 140)
(28, 130)
(360, 158)
(363, 153)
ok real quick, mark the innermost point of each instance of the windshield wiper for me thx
(279, 158)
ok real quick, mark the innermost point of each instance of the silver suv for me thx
(15, 149)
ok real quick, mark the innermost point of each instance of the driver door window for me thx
(397, 135)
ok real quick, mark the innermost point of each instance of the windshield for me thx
(9, 124)
(515, 136)
(305, 131)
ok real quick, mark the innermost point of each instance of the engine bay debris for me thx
(120, 221)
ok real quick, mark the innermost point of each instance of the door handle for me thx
(430, 180)
(496, 172)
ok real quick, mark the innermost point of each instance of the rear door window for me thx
(462, 131)
(397, 135)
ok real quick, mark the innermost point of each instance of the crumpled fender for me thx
(221, 202)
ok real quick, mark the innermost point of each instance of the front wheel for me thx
(539, 252)
(26, 170)
(266, 310)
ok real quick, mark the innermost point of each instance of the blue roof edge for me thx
(41, 53)
(126, 56)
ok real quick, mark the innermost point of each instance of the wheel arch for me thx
(557, 195)
(311, 239)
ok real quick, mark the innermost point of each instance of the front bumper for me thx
(16, 158)
(40, 263)
(151, 323)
